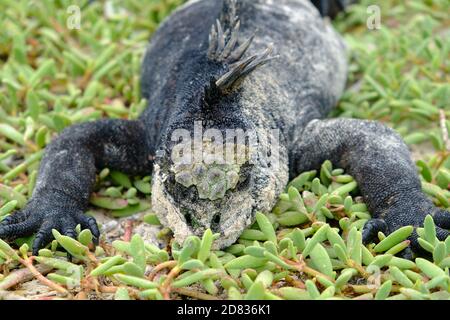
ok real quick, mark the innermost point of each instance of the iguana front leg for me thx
(67, 175)
(380, 162)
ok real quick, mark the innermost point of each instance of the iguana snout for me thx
(215, 183)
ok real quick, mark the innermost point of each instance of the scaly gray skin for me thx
(185, 77)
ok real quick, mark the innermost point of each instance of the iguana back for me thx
(303, 83)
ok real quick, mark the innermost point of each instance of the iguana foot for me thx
(41, 219)
(370, 233)
(442, 219)
(371, 229)
(396, 218)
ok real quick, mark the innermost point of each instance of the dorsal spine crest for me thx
(224, 48)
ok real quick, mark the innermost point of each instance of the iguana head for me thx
(215, 172)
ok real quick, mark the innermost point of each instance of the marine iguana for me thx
(213, 77)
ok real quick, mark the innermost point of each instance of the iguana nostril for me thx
(215, 223)
(188, 218)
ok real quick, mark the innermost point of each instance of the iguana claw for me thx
(371, 229)
(36, 218)
(441, 219)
